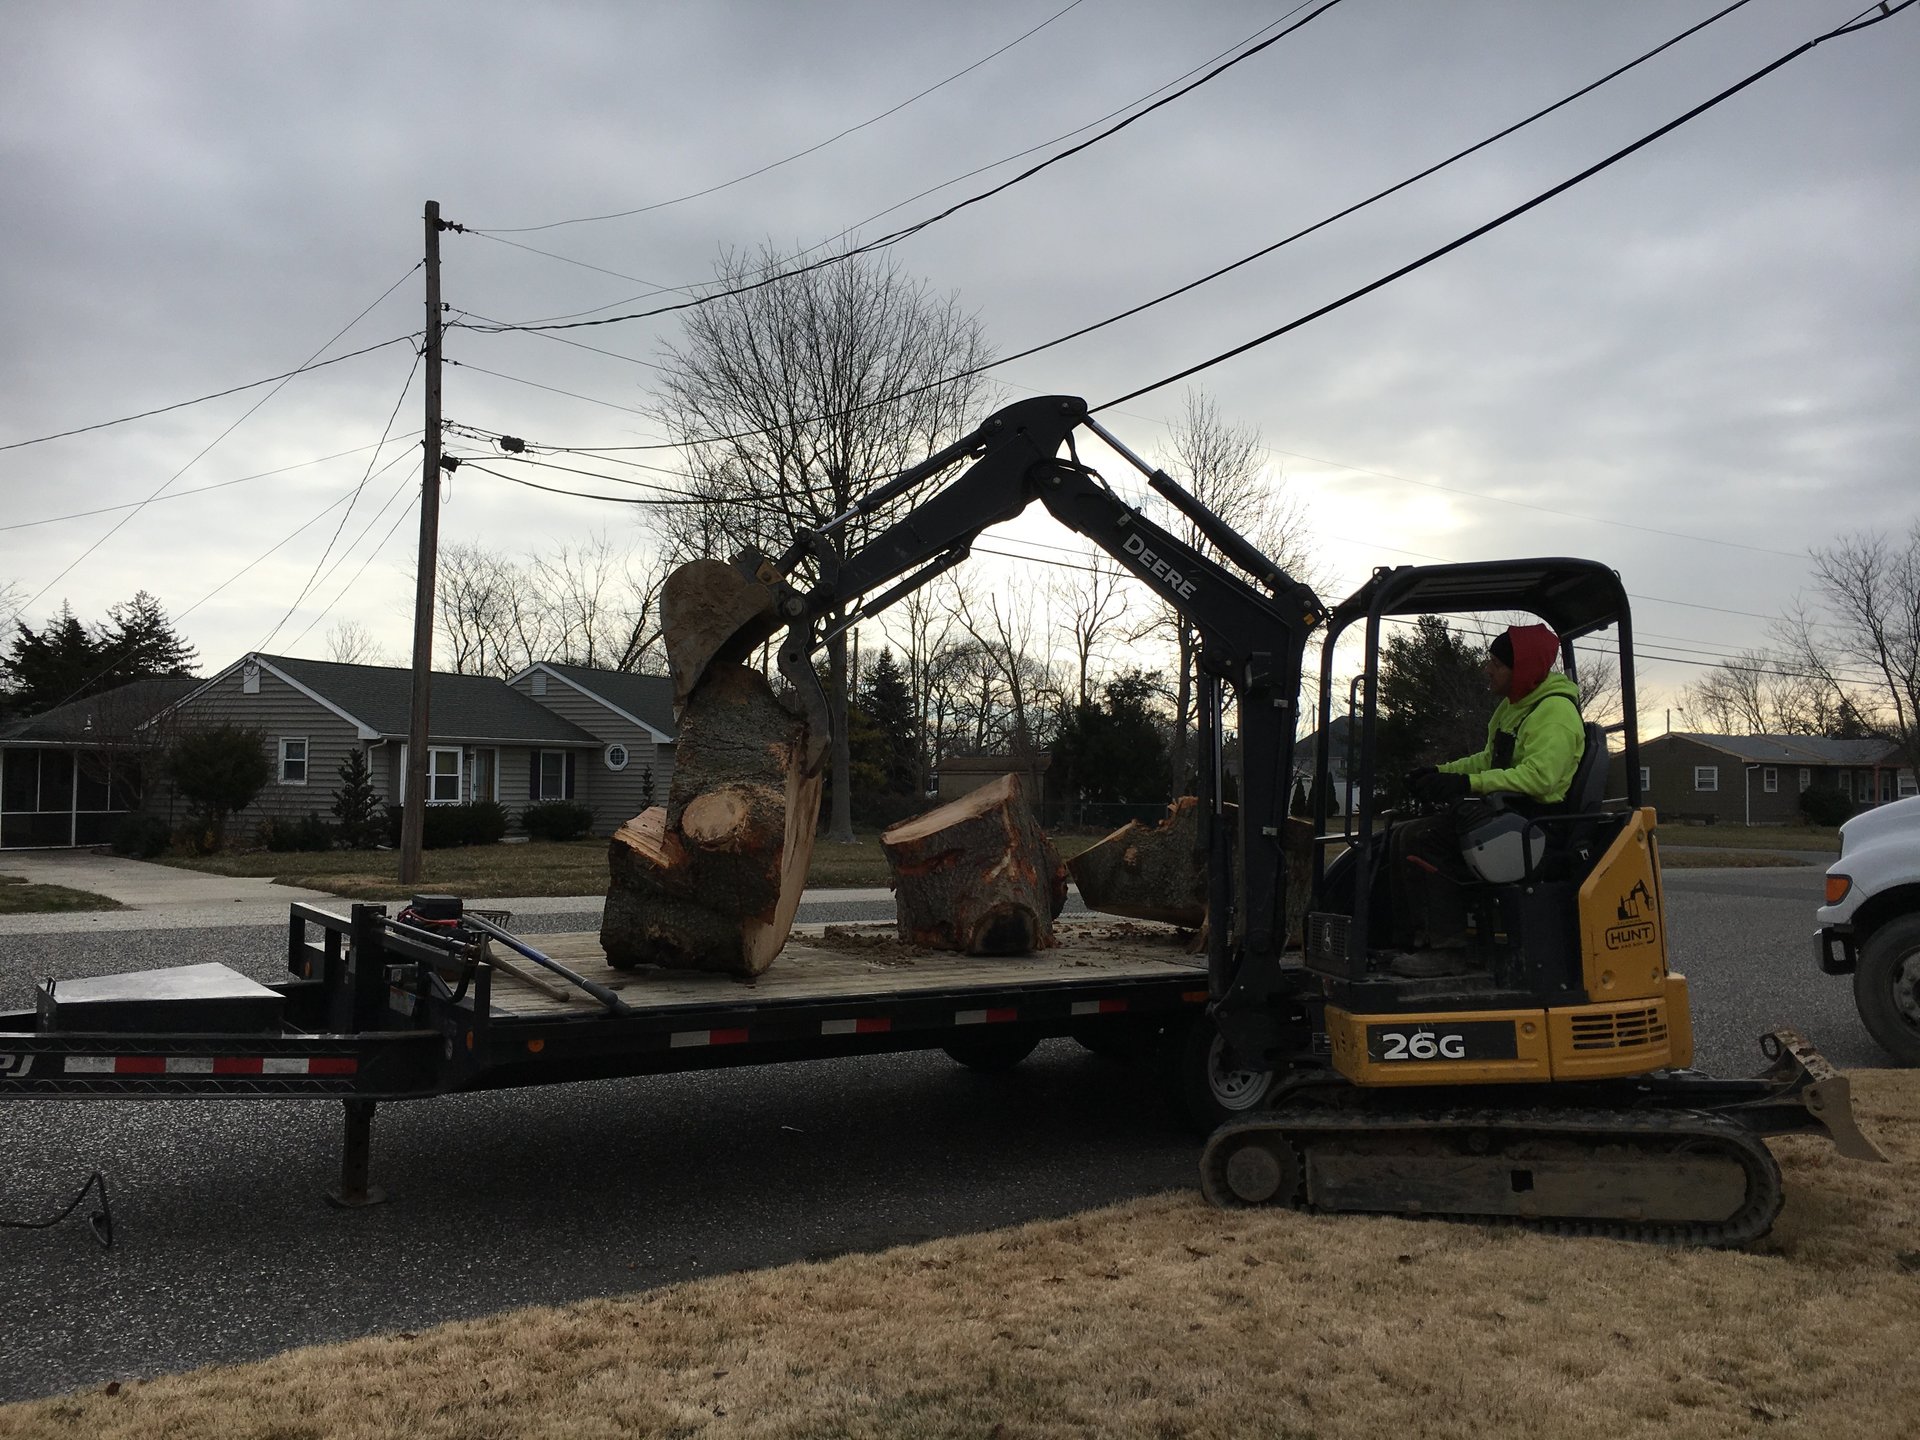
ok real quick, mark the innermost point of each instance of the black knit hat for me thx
(1502, 648)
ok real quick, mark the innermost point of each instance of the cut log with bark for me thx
(711, 880)
(1148, 871)
(1159, 871)
(977, 875)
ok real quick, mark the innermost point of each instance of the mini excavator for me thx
(1549, 1086)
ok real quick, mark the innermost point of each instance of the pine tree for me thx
(888, 703)
(140, 640)
(58, 663)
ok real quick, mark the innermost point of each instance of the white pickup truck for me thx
(1870, 925)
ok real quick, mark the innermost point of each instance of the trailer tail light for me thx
(1838, 887)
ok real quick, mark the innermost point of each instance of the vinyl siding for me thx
(278, 711)
(615, 797)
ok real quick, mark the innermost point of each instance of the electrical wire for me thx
(1851, 27)
(797, 155)
(204, 489)
(550, 389)
(895, 237)
(406, 484)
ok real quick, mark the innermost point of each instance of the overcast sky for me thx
(1692, 367)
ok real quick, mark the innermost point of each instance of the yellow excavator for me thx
(1550, 1084)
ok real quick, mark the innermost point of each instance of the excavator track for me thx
(1671, 1177)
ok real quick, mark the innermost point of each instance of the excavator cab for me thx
(1565, 973)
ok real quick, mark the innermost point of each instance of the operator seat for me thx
(1508, 847)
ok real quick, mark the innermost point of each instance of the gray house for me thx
(1758, 779)
(632, 718)
(489, 740)
(68, 775)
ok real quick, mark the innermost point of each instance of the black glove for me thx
(1439, 788)
(1417, 777)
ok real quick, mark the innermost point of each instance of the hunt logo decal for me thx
(1634, 910)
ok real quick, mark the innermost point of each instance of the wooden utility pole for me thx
(414, 816)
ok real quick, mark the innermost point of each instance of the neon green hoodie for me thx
(1533, 742)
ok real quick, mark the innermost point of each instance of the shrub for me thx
(482, 823)
(1825, 805)
(141, 836)
(556, 820)
(218, 772)
(280, 834)
(355, 805)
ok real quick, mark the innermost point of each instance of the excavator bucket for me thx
(711, 611)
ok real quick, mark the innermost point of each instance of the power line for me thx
(550, 389)
(204, 489)
(218, 394)
(798, 154)
(404, 486)
(1851, 27)
(347, 514)
(895, 237)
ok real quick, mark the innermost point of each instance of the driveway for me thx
(156, 896)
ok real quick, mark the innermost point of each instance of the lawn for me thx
(1162, 1319)
(576, 867)
(17, 897)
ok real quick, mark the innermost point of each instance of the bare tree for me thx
(1221, 464)
(474, 609)
(1859, 636)
(794, 396)
(1096, 600)
(593, 604)
(351, 643)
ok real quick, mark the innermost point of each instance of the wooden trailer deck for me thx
(840, 962)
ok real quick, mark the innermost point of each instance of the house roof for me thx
(647, 700)
(379, 699)
(996, 764)
(1792, 749)
(103, 718)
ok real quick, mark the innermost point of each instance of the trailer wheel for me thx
(1207, 1092)
(992, 1052)
(1886, 988)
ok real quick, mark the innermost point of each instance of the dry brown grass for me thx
(17, 897)
(1164, 1318)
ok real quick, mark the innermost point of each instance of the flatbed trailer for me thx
(381, 1009)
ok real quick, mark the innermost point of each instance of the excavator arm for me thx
(1252, 640)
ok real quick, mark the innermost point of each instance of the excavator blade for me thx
(709, 611)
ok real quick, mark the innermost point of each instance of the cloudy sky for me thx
(1692, 367)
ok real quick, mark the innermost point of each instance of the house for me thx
(632, 717)
(961, 774)
(514, 742)
(68, 775)
(1758, 779)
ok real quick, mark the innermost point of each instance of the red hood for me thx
(1535, 648)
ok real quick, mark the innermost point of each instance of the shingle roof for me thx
(648, 698)
(463, 707)
(103, 717)
(1796, 749)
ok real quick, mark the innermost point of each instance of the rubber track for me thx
(1693, 1129)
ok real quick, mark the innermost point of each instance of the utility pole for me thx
(413, 819)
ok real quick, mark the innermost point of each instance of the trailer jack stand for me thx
(355, 1157)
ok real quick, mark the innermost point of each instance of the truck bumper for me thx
(1826, 941)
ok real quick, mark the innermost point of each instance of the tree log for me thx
(977, 875)
(1149, 872)
(1159, 871)
(710, 880)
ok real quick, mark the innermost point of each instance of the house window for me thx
(1907, 786)
(1806, 779)
(443, 776)
(1706, 777)
(550, 774)
(1846, 783)
(1646, 777)
(616, 757)
(1770, 780)
(293, 759)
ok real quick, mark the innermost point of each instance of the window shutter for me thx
(571, 757)
(533, 774)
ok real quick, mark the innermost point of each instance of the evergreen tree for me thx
(1114, 751)
(59, 662)
(138, 639)
(888, 703)
(356, 805)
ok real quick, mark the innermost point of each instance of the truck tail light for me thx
(1837, 888)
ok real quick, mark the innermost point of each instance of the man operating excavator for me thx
(1534, 743)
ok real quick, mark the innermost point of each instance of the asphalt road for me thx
(225, 1252)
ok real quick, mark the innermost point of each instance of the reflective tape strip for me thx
(686, 1039)
(985, 1017)
(866, 1025)
(1098, 1007)
(302, 1065)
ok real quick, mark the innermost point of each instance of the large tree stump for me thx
(1149, 872)
(977, 875)
(1159, 871)
(710, 881)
